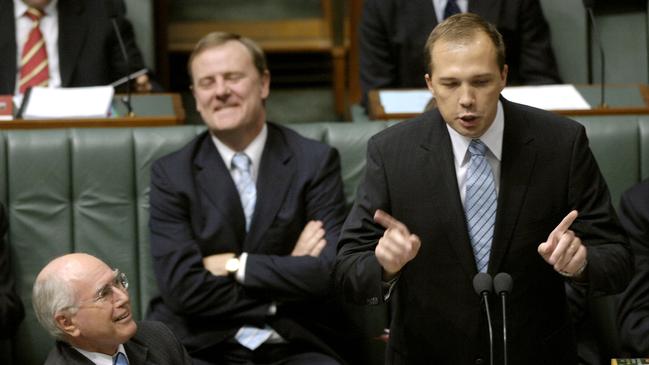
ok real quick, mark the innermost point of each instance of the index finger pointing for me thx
(566, 222)
(388, 221)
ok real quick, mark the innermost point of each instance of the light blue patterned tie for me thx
(245, 185)
(253, 337)
(120, 359)
(480, 203)
(250, 337)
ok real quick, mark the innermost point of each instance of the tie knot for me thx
(241, 162)
(120, 359)
(476, 147)
(34, 14)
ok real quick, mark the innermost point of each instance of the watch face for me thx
(232, 265)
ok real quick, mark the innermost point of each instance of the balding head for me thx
(81, 300)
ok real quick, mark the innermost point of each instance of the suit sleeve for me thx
(287, 278)
(358, 272)
(185, 285)
(633, 316)
(537, 62)
(11, 308)
(610, 262)
(378, 66)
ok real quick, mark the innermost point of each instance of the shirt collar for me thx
(20, 8)
(99, 358)
(253, 150)
(492, 138)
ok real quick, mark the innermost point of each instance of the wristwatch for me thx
(232, 266)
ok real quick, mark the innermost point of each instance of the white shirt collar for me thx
(99, 358)
(254, 151)
(492, 138)
(20, 8)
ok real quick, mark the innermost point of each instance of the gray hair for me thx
(50, 296)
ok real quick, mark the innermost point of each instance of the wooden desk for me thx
(151, 110)
(621, 99)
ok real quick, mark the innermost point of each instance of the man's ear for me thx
(65, 323)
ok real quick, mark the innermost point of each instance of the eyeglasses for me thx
(105, 293)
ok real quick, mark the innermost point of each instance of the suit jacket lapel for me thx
(518, 159)
(8, 47)
(137, 353)
(488, 9)
(439, 158)
(213, 179)
(276, 173)
(72, 34)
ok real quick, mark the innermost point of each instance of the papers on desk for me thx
(73, 102)
(404, 101)
(549, 97)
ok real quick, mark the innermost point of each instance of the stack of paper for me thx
(74, 102)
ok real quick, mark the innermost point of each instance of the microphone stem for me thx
(591, 16)
(127, 99)
(491, 333)
(504, 301)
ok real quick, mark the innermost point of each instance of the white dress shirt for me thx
(99, 358)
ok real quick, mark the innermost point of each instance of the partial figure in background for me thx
(85, 305)
(65, 43)
(393, 33)
(11, 307)
(633, 315)
(244, 223)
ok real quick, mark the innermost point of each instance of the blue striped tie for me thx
(480, 203)
(451, 8)
(120, 359)
(245, 185)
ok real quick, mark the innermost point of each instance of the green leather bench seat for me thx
(87, 190)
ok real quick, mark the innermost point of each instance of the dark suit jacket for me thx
(633, 316)
(11, 308)
(153, 344)
(547, 169)
(196, 212)
(393, 33)
(89, 54)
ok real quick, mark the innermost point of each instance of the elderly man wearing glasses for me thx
(85, 305)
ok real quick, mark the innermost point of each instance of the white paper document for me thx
(73, 102)
(548, 97)
(404, 101)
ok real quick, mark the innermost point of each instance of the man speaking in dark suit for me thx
(85, 305)
(537, 207)
(392, 35)
(64, 43)
(244, 221)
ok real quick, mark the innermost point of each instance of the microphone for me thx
(589, 5)
(483, 287)
(114, 10)
(503, 286)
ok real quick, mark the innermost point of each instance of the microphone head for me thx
(589, 3)
(482, 283)
(503, 283)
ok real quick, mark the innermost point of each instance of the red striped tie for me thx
(34, 70)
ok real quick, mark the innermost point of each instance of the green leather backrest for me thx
(87, 190)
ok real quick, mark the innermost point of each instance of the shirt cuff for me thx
(241, 273)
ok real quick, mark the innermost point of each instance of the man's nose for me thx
(467, 95)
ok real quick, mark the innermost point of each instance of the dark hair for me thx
(216, 39)
(464, 27)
